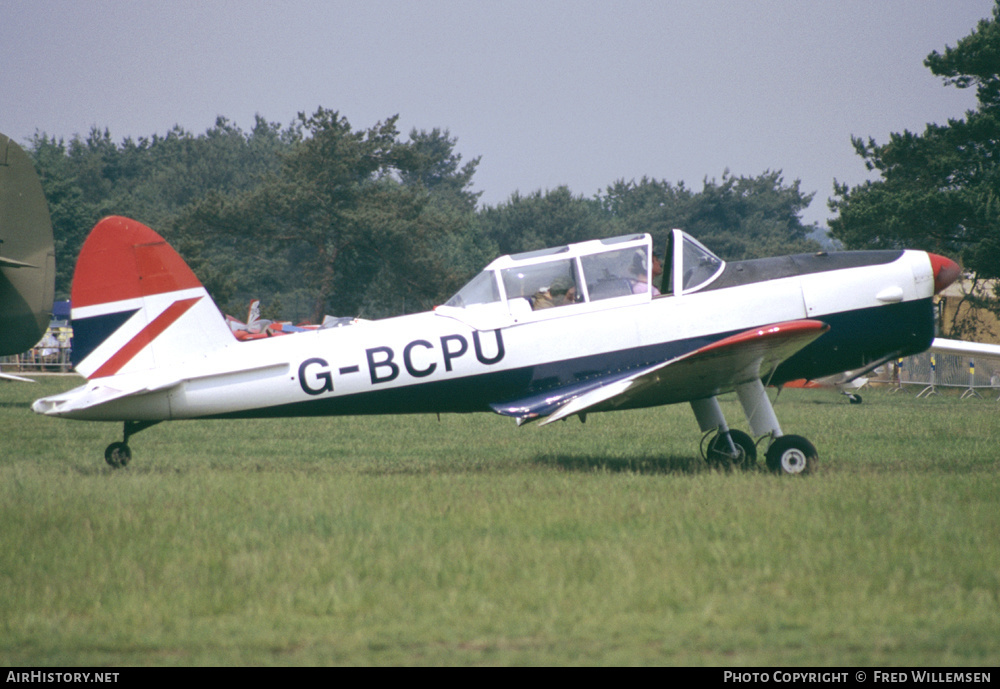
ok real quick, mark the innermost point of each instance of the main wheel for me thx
(717, 453)
(118, 455)
(791, 454)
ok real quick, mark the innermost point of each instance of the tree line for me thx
(318, 216)
(940, 190)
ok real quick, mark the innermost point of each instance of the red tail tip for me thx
(945, 270)
(124, 259)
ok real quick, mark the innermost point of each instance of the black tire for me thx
(792, 454)
(854, 399)
(717, 454)
(118, 455)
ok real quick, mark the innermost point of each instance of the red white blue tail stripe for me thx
(136, 304)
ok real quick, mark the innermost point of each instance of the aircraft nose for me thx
(945, 270)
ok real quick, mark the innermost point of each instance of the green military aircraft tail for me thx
(27, 253)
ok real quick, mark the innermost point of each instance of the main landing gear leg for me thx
(118, 455)
(787, 454)
(728, 447)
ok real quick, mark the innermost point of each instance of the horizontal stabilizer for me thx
(17, 379)
(101, 391)
(11, 263)
(85, 397)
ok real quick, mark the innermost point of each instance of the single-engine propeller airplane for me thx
(543, 335)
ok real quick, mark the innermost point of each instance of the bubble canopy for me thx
(590, 272)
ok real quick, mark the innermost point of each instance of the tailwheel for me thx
(118, 455)
(792, 454)
(719, 455)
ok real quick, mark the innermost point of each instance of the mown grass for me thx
(466, 540)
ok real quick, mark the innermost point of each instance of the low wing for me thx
(848, 380)
(961, 348)
(705, 372)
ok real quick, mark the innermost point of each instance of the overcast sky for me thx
(577, 93)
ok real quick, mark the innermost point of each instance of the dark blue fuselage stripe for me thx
(855, 339)
(859, 338)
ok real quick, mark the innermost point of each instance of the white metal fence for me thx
(38, 360)
(977, 376)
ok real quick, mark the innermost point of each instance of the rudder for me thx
(27, 253)
(136, 305)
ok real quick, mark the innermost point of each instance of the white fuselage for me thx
(461, 359)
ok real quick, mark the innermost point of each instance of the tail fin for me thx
(27, 256)
(137, 306)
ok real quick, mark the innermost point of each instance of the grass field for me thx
(466, 540)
